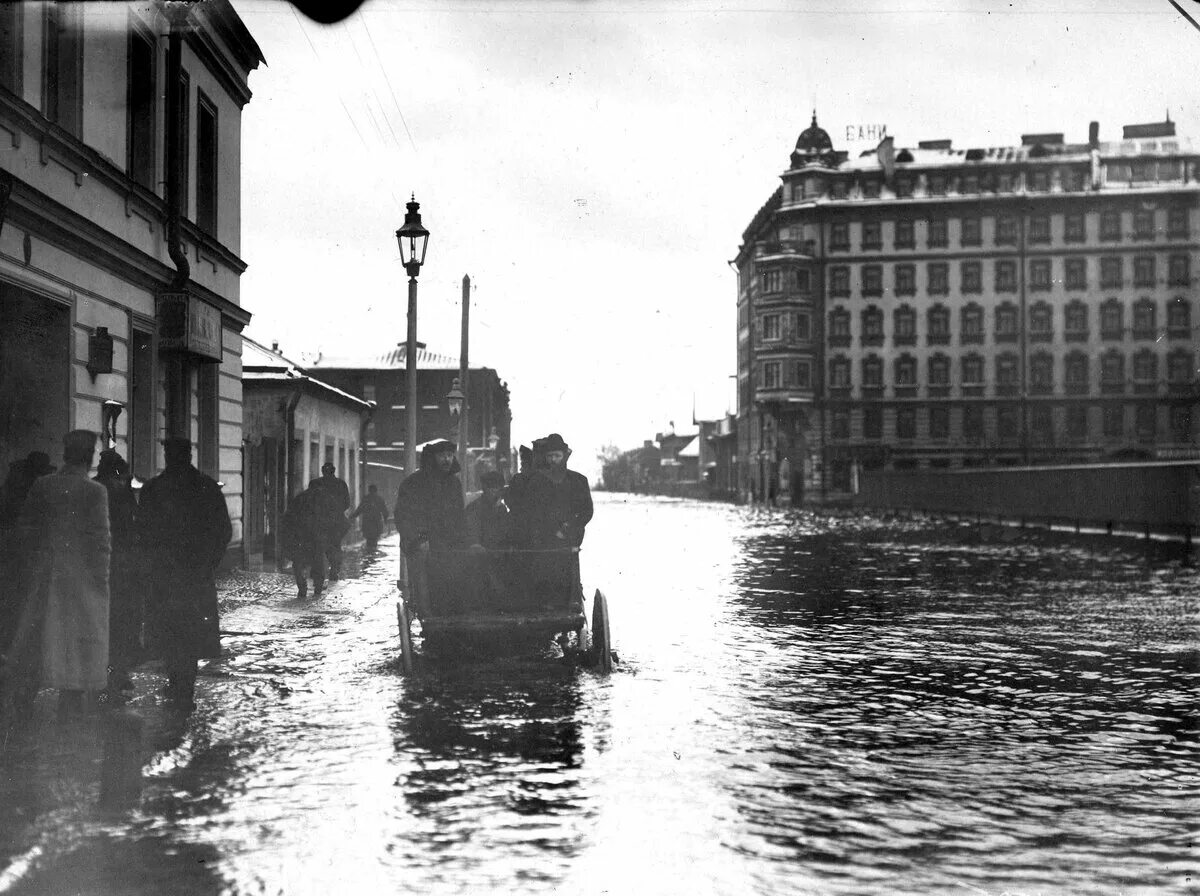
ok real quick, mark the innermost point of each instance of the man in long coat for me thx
(303, 542)
(374, 515)
(62, 634)
(430, 518)
(333, 500)
(556, 507)
(184, 528)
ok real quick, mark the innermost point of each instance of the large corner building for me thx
(939, 307)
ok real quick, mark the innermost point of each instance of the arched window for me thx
(1006, 322)
(939, 370)
(905, 371)
(904, 326)
(1041, 373)
(1075, 321)
(1180, 366)
(1145, 319)
(839, 373)
(971, 327)
(1145, 370)
(1076, 367)
(839, 327)
(1112, 371)
(872, 372)
(1007, 373)
(1041, 322)
(1179, 318)
(938, 325)
(1112, 319)
(972, 370)
(872, 326)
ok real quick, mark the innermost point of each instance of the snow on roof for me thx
(393, 358)
(691, 449)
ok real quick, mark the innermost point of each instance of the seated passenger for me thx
(487, 515)
(431, 522)
(556, 508)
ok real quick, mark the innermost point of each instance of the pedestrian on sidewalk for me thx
(374, 515)
(184, 528)
(303, 543)
(61, 640)
(333, 500)
(124, 580)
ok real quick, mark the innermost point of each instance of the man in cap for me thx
(429, 514)
(62, 633)
(332, 498)
(184, 528)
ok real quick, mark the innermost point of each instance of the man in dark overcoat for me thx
(332, 498)
(430, 517)
(303, 542)
(184, 528)
(557, 506)
(124, 581)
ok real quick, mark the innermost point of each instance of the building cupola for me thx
(812, 143)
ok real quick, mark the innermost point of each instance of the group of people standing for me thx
(313, 528)
(99, 578)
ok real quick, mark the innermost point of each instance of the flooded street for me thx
(803, 704)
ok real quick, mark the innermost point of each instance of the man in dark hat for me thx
(487, 515)
(184, 528)
(124, 585)
(557, 508)
(332, 500)
(430, 517)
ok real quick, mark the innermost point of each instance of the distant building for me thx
(293, 424)
(119, 304)
(381, 379)
(941, 307)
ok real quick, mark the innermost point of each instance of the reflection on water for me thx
(804, 704)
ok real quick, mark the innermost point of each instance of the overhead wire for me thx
(388, 81)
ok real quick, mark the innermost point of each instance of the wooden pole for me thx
(463, 431)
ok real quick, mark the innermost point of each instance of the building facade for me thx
(934, 307)
(381, 379)
(120, 185)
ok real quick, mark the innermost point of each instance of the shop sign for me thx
(188, 324)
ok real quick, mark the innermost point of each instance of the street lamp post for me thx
(413, 240)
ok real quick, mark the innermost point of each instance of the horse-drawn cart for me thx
(500, 600)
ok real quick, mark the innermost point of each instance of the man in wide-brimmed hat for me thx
(430, 517)
(559, 500)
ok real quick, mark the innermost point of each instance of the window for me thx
(1110, 225)
(971, 232)
(1179, 270)
(1006, 322)
(939, 370)
(1145, 370)
(904, 326)
(802, 280)
(772, 281)
(938, 324)
(1076, 370)
(839, 281)
(1041, 322)
(141, 111)
(1041, 373)
(839, 189)
(1076, 273)
(206, 166)
(1006, 230)
(1041, 422)
(1075, 180)
(904, 234)
(872, 280)
(839, 327)
(872, 423)
(771, 327)
(1006, 276)
(871, 188)
(1112, 371)
(1075, 322)
(939, 423)
(872, 372)
(905, 371)
(1112, 320)
(1179, 367)
(935, 184)
(906, 423)
(973, 423)
(1112, 273)
(1145, 319)
(1074, 228)
(772, 377)
(1077, 423)
(1006, 182)
(803, 326)
(972, 370)
(971, 327)
(1143, 270)
(906, 279)
(1143, 224)
(1039, 181)
(937, 233)
(903, 187)
(938, 273)
(872, 326)
(1008, 372)
(971, 273)
(803, 371)
(368, 391)
(968, 183)
(1039, 229)
(841, 424)
(872, 235)
(1179, 318)
(1181, 423)
(10, 47)
(1145, 422)
(62, 69)
(839, 237)
(1177, 222)
(1114, 421)
(1039, 275)
(839, 373)
(1006, 423)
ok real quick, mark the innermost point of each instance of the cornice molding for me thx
(210, 54)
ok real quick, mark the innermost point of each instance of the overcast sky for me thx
(593, 165)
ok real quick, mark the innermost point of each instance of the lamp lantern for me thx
(455, 398)
(413, 239)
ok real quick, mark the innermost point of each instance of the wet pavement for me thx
(804, 704)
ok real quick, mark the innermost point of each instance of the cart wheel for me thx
(601, 636)
(406, 645)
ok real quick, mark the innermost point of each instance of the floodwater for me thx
(803, 704)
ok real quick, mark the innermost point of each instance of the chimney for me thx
(275, 347)
(1094, 134)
